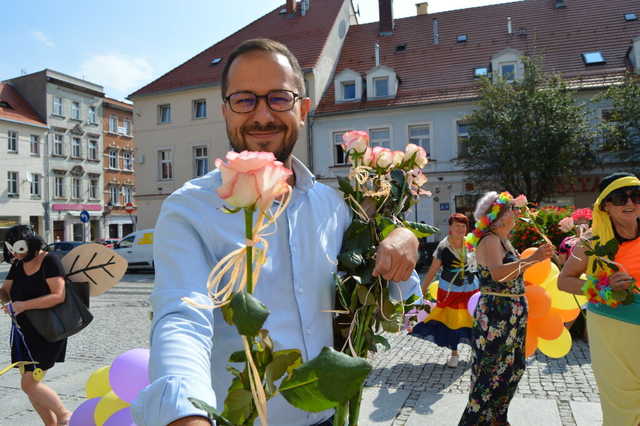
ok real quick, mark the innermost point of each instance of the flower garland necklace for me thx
(483, 225)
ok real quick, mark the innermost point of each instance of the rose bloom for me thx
(520, 201)
(398, 158)
(252, 177)
(383, 157)
(420, 154)
(367, 158)
(355, 140)
(566, 224)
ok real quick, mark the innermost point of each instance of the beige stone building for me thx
(179, 126)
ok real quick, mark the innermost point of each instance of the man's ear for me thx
(305, 107)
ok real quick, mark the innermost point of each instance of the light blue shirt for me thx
(190, 347)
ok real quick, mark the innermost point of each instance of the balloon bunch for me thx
(111, 390)
(549, 309)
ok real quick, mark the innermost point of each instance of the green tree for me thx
(527, 135)
(621, 129)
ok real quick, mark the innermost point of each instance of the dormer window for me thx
(508, 71)
(593, 58)
(381, 85)
(507, 65)
(348, 90)
(348, 86)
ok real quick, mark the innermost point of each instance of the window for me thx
(127, 127)
(57, 106)
(75, 147)
(113, 194)
(35, 184)
(462, 38)
(201, 161)
(200, 108)
(381, 85)
(34, 145)
(164, 113)
(127, 242)
(58, 147)
(12, 184)
(75, 110)
(58, 183)
(420, 135)
(127, 160)
(463, 138)
(348, 90)
(630, 17)
(165, 166)
(113, 124)
(339, 157)
(508, 71)
(128, 194)
(75, 188)
(93, 188)
(480, 72)
(12, 141)
(93, 119)
(113, 159)
(93, 150)
(380, 137)
(593, 58)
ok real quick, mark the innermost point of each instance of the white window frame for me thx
(92, 115)
(12, 141)
(347, 76)
(461, 152)
(515, 70)
(92, 149)
(196, 110)
(75, 110)
(58, 185)
(113, 124)
(429, 127)
(13, 183)
(76, 147)
(375, 87)
(163, 161)
(113, 159)
(76, 188)
(127, 160)
(336, 141)
(161, 117)
(127, 191)
(58, 142)
(34, 145)
(94, 183)
(58, 106)
(114, 195)
(126, 123)
(343, 85)
(35, 185)
(373, 129)
(199, 157)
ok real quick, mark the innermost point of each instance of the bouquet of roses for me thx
(381, 186)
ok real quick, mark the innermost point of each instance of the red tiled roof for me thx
(431, 73)
(304, 35)
(118, 103)
(19, 109)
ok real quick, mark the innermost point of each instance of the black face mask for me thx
(22, 239)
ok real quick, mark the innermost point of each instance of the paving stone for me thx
(586, 413)
(380, 406)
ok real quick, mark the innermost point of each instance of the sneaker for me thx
(453, 361)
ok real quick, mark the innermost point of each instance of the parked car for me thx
(107, 243)
(137, 248)
(61, 248)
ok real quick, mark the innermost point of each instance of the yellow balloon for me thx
(108, 405)
(433, 290)
(98, 383)
(556, 348)
(560, 299)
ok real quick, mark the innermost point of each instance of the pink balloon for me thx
(83, 415)
(473, 303)
(129, 374)
(120, 418)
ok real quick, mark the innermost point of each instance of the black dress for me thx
(26, 343)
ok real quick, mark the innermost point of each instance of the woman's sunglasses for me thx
(620, 196)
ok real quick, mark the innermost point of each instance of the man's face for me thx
(263, 129)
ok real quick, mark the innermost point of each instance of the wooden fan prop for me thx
(95, 264)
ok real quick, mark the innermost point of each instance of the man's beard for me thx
(239, 144)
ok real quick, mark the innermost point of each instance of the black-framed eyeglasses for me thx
(278, 100)
(619, 197)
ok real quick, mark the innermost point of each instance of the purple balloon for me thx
(120, 418)
(129, 374)
(83, 415)
(473, 303)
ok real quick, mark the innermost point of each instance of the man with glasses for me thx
(265, 108)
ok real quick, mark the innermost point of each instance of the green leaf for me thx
(249, 314)
(283, 361)
(229, 210)
(238, 356)
(325, 381)
(380, 340)
(411, 300)
(365, 296)
(227, 314)
(238, 406)
(211, 412)
(421, 230)
(350, 260)
(345, 185)
(341, 291)
(393, 324)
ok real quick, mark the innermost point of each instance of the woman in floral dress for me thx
(501, 315)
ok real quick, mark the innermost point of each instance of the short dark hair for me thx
(263, 45)
(460, 218)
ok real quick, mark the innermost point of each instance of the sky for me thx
(123, 45)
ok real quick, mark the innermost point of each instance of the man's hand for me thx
(397, 255)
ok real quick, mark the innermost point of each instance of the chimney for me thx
(376, 49)
(422, 8)
(385, 8)
(509, 28)
(291, 7)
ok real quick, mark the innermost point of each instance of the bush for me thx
(524, 234)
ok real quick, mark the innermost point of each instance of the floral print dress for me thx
(498, 339)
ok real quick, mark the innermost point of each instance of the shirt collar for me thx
(304, 178)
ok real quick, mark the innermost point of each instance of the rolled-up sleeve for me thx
(181, 335)
(405, 289)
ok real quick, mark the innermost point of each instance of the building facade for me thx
(71, 152)
(119, 174)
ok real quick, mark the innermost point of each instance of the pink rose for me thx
(252, 177)
(418, 154)
(355, 140)
(416, 179)
(520, 201)
(398, 158)
(367, 158)
(566, 224)
(382, 157)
